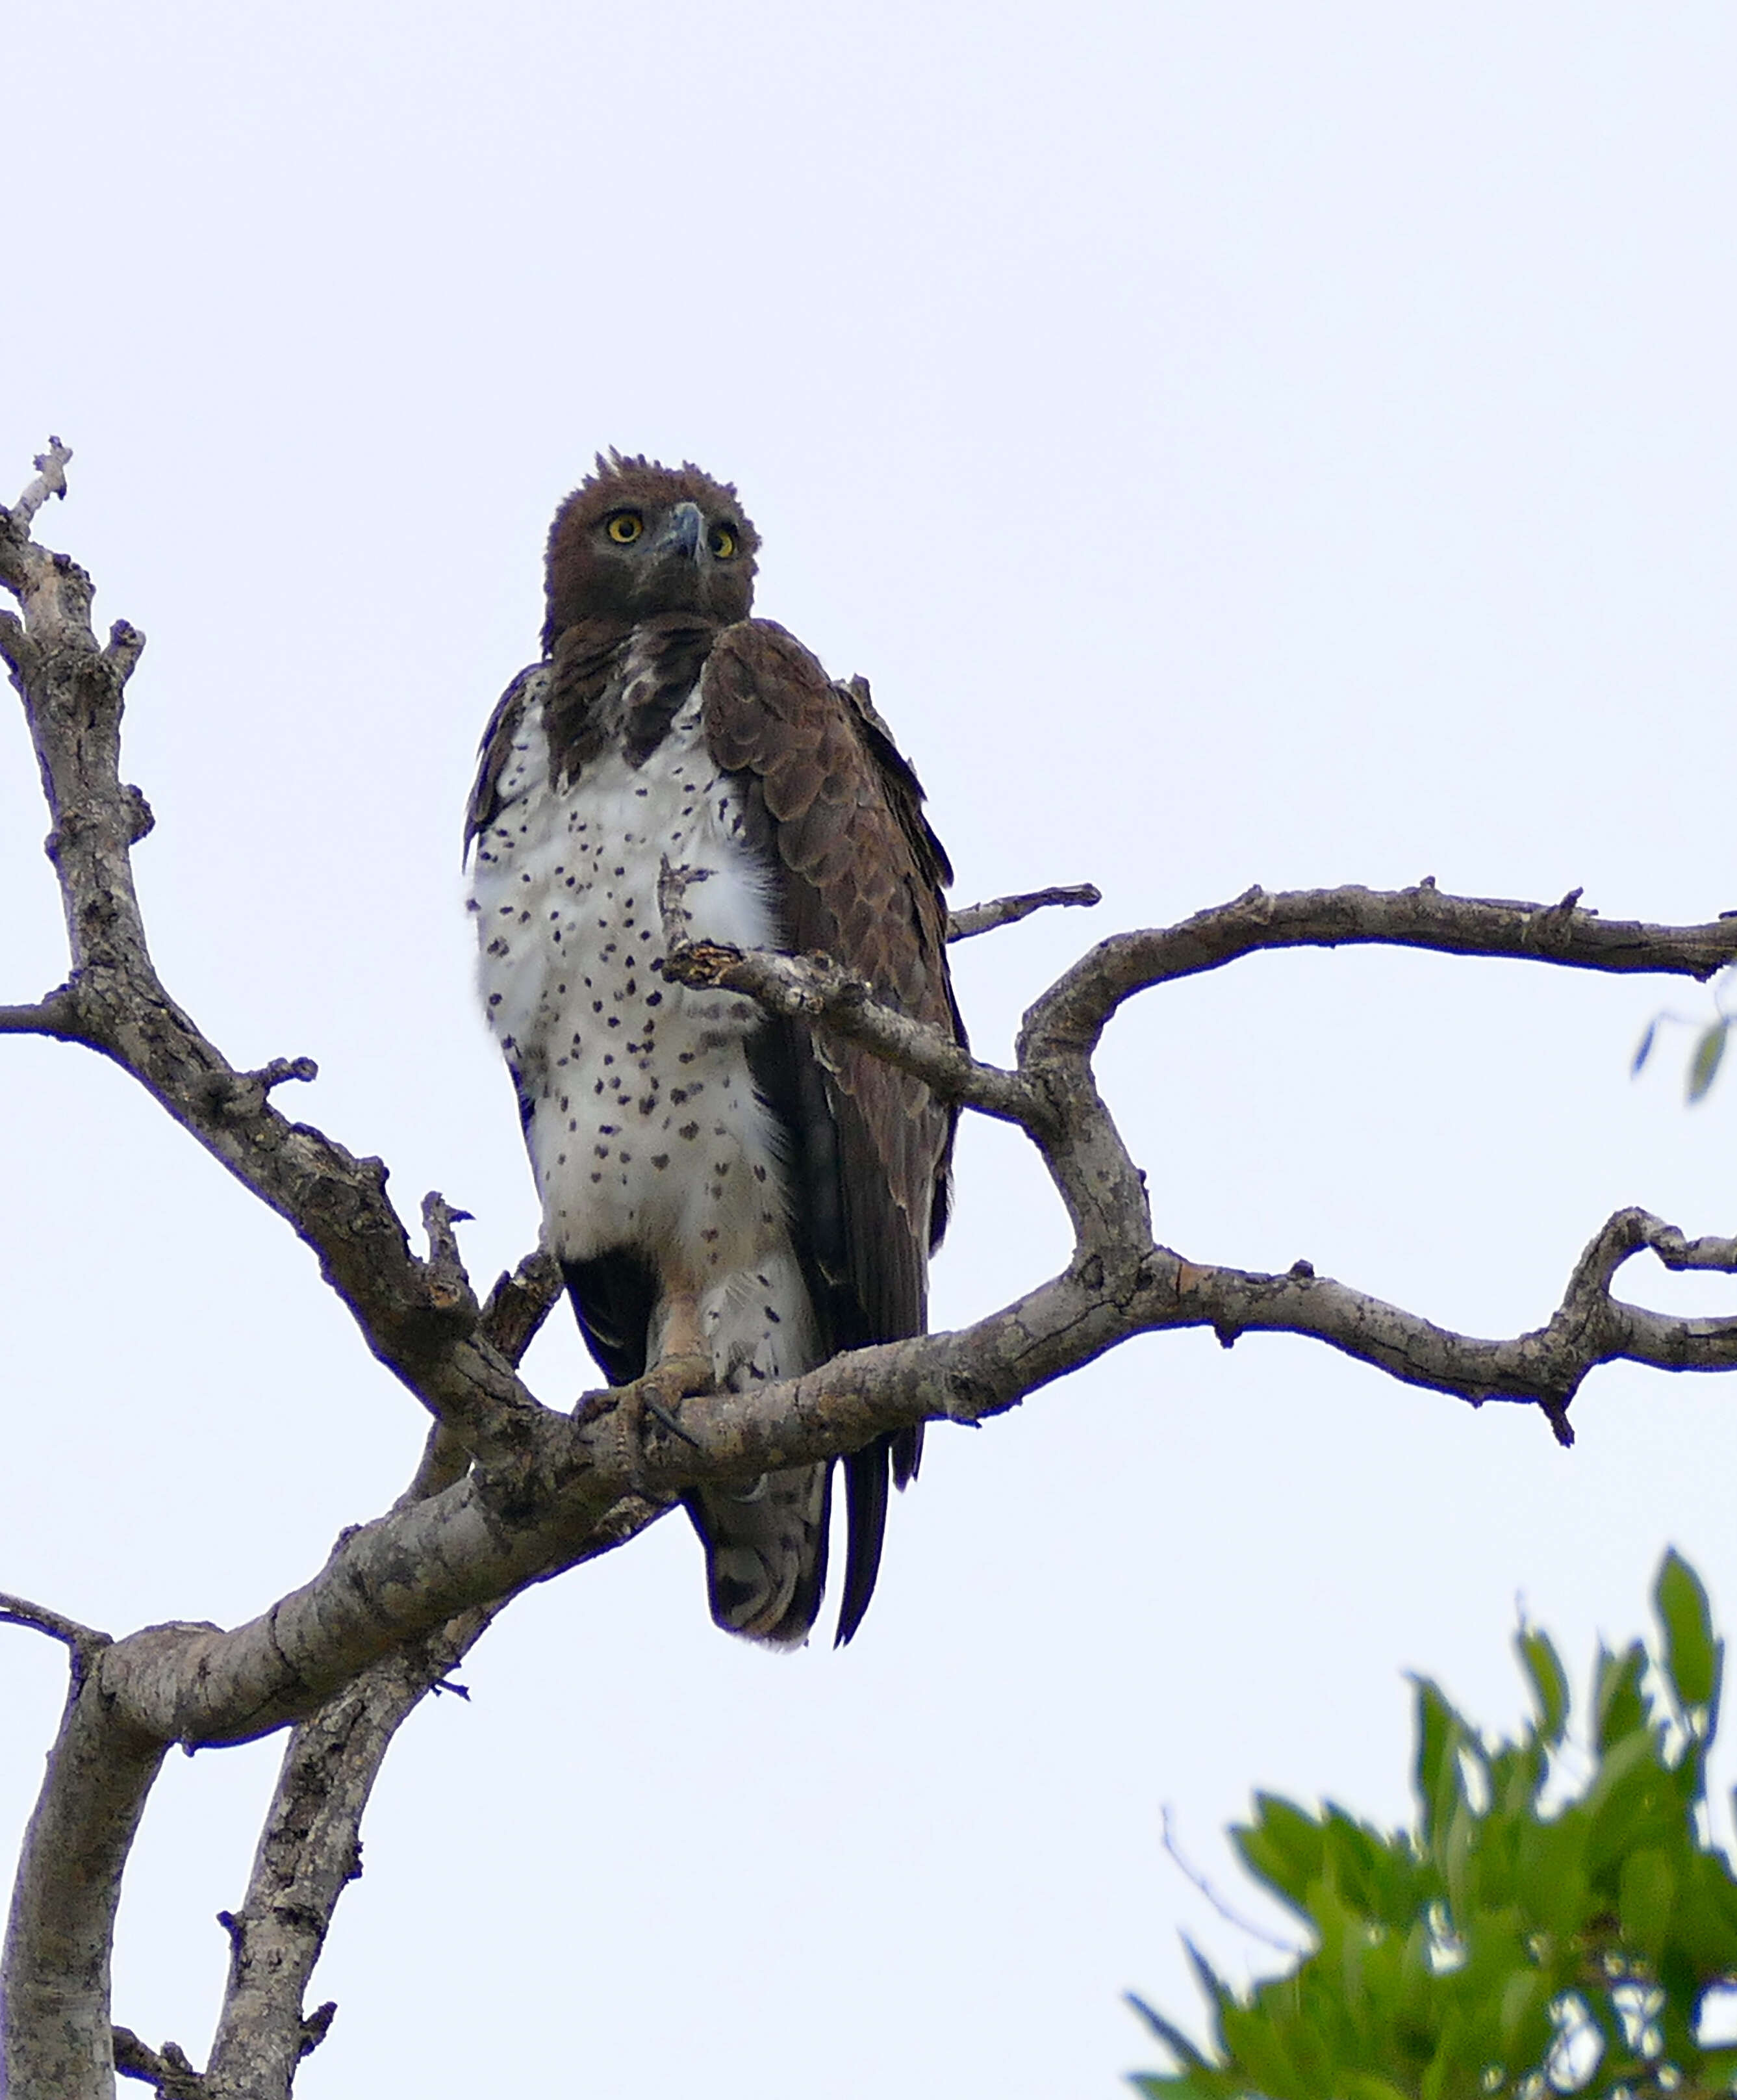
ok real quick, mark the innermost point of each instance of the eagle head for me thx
(638, 538)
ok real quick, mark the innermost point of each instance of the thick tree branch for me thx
(309, 1851)
(411, 1315)
(589, 1485)
(55, 2034)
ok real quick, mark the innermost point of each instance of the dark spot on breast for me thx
(689, 1131)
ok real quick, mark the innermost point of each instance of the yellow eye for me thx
(722, 542)
(625, 528)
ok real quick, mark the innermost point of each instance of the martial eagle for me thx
(731, 1197)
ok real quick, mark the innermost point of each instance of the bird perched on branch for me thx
(732, 1198)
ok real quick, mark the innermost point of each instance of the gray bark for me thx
(54, 2004)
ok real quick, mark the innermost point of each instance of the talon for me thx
(662, 1416)
(657, 1394)
(604, 1400)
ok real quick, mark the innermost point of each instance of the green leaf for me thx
(1283, 1847)
(1172, 2037)
(1645, 1049)
(1440, 1733)
(1648, 1889)
(1446, 1955)
(1549, 1681)
(1618, 1710)
(1692, 1654)
(1704, 1066)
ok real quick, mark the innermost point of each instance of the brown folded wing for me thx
(860, 876)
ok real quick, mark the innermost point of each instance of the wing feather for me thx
(860, 877)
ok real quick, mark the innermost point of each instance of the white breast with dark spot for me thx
(645, 1128)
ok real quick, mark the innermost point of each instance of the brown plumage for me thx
(654, 675)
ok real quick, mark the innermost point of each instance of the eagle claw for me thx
(657, 1394)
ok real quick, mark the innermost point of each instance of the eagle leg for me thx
(680, 1362)
(682, 1368)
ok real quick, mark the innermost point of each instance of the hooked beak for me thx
(682, 533)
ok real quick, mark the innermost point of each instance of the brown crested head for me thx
(638, 538)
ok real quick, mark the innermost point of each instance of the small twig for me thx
(316, 2025)
(970, 919)
(50, 480)
(21, 1612)
(673, 884)
(282, 1070)
(168, 2070)
(1198, 1880)
(438, 1219)
(57, 1015)
(1674, 1251)
(519, 1303)
(448, 1281)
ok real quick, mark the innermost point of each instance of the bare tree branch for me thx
(57, 2040)
(57, 1015)
(84, 1641)
(167, 2069)
(50, 480)
(970, 919)
(813, 988)
(1072, 1012)
(310, 1850)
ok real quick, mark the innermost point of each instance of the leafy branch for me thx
(1510, 1944)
